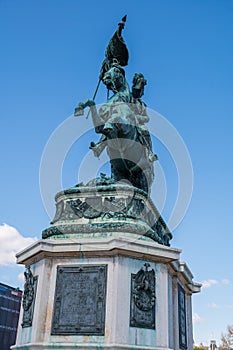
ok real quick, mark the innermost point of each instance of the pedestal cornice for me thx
(93, 247)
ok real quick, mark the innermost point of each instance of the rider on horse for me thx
(136, 104)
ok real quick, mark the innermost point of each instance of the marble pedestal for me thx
(123, 257)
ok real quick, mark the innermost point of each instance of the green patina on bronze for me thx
(102, 208)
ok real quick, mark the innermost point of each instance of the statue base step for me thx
(87, 346)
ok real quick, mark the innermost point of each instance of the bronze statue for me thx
(121, 120)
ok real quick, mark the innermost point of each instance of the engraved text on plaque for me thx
(79, 305)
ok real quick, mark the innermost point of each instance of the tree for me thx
(227, 338)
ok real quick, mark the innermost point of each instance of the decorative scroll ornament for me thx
(29, 297)
(101, 207)
(142, 301)
(182, 318)
(144, 288)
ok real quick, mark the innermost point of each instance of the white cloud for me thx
(197, 318)
(21, 277)
(229, 307)
(11, 242)
(209, 283)
(226, 281)
(213, 306)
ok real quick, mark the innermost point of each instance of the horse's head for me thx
(138, 85)
(114, 79)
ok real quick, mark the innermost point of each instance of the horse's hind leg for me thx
(117, 174)
(139, 180)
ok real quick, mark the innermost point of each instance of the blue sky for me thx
(51, 53)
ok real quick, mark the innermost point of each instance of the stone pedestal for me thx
(116, 290)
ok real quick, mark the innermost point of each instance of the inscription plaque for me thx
(182, 318)
(79, 304)
(142, 304)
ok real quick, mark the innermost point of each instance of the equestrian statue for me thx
(121, 120)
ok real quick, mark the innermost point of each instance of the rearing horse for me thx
(116, 120)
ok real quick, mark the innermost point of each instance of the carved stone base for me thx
(103, 209)
(107, 293)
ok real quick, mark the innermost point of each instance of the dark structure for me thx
(10, 301)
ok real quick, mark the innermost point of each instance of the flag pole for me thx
(94, 96)
(121, 26)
